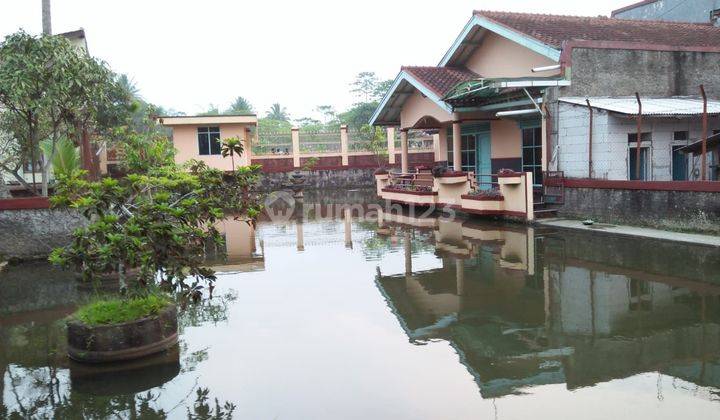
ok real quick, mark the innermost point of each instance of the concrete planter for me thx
(126, 341)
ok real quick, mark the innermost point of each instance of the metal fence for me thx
(273, 143)
(319, 141)
(417, 140)
(359, 141)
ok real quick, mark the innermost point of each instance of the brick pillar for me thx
(295, 134)
(390, 132)
(344, 144)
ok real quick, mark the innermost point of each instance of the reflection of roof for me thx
(654, 107)
(553, 30)
(440, 79)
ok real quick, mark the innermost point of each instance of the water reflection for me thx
(401, 317)
(525, 307)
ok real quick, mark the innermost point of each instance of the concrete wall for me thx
(185, 141)
(610, 142)
(500, 57)
(608, 72)
(672, 10)
(674, 210)
(418, 106)
(34, 233)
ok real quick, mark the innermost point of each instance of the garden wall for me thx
(29, 229)
(322, 179)
(687, 206)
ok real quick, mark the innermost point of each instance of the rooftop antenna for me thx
(46, 25)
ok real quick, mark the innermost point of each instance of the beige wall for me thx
(500, 57)
(186, 145)
(417, 107)
(506, 139)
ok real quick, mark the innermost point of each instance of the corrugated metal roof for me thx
(672, 106)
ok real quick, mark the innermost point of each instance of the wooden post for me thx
(590, 140)
(295, 135)
(703, 168)
(639, 137)
(404, 150)
(390, 132)
(344, 144)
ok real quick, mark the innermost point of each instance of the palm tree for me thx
(277, 112)
(232, 146)
(239, 106)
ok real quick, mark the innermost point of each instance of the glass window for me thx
(467, 149)
(632, 137)
(679, 136)
(632, 154)
(208, 140)
(532, 153)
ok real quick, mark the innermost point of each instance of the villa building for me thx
(200, 137)
(547, 95)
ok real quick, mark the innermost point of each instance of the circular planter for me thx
(126, 341)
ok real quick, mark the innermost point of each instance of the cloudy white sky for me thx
(187, 54)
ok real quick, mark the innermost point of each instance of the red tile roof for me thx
(440, 79)
(554, 29)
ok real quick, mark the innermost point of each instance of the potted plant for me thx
(148, 230)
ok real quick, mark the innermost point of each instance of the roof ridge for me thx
(604, 18)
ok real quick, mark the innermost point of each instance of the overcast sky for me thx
(186, 54)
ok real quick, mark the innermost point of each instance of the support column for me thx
(344, 144)
(442, 153)
(404, 150)
(295, 135)
(390, 132)
(457, 141)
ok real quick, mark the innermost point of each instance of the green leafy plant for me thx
(232, 146)
(310, 164)
(115, 311)
(63, 155)
(152, 225)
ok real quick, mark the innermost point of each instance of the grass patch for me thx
(116, 311)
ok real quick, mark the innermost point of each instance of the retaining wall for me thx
(686, 206)
(30, 230)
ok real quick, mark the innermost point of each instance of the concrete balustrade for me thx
(513, 198)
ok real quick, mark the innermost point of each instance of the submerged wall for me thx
(664, 209)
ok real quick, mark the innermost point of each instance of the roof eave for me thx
(526, 41)
(407, 77)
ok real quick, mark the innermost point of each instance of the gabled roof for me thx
(433, 82)
(632, 6)
(440, 79)
(553, 30)
(547, 34)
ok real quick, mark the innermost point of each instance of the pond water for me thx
(406, 317)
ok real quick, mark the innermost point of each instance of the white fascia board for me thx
(532, 83)
(404, 76)
(517, 37)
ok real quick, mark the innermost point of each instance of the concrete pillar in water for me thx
(347, 215)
